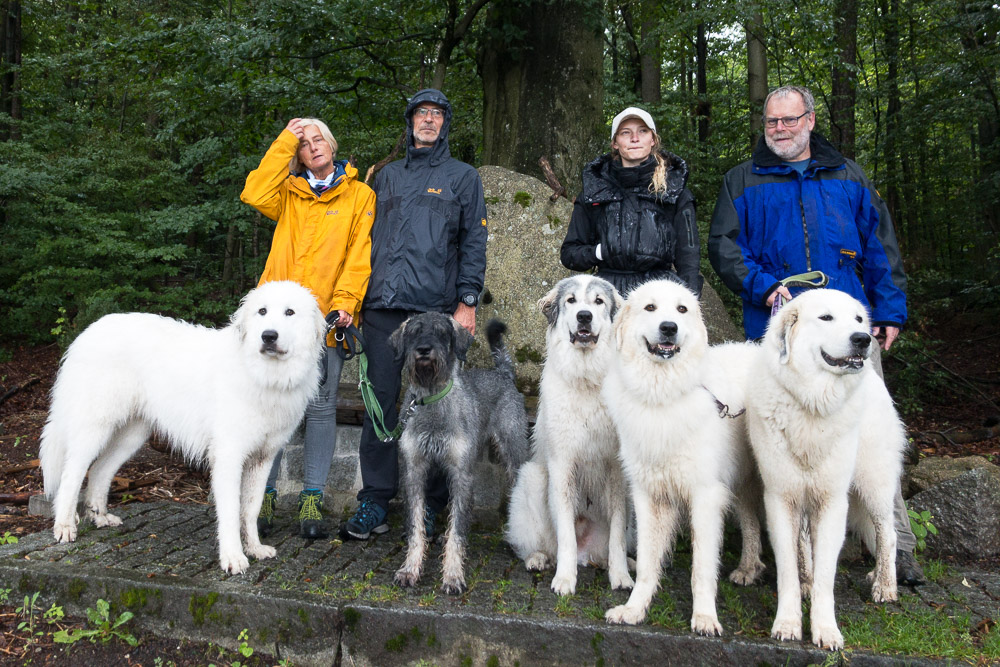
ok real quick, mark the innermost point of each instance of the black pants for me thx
(379, 460)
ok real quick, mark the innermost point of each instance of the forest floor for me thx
(946, 380)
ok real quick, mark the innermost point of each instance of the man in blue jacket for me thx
(798, 205)
(428, 254)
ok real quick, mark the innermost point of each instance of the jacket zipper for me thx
(805, 229)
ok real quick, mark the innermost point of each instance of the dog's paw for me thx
(883, 591)
(453, 585)
(64, 532)
(787, 629)
(624, 615)
(827, 636)
(743, 576)
(233, 562)
(407, 577)
(620, 581)
(537, 562)
(261, 551)
(102, 520)
(564, 584)
(706, 624)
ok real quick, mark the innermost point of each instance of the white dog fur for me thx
(568, 505)
(230, 397)
(826, 435)
(668, 396)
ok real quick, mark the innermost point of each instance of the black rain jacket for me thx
(643, 236)
(429, 235)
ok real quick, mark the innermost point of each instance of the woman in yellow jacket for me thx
(322, 241)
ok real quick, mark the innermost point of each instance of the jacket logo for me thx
(434, 191)
(484, 222)
(332, 212)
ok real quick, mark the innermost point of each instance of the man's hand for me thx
(466, 316)
(339, 319)
(891, 333)
(295, 127)
(782, 290)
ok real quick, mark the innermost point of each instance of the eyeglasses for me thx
(421, 112)
(787, 121)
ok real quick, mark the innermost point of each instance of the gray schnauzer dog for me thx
(449, 416)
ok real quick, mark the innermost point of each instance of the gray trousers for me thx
(905, 540)
(320, 426)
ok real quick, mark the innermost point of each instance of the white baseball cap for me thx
(632, 112)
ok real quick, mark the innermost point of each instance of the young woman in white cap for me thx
(634, 219)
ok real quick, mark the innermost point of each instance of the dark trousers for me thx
(379, 460)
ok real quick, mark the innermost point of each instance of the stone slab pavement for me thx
(332, 603)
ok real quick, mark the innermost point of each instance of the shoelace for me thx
(367, 514)
(310, 508)
(267, 507)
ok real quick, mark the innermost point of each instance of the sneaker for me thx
(310, 516)
(369, 518)
(429, 517)
(265, 520)
(908, 570)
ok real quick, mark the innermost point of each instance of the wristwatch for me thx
(470, 299)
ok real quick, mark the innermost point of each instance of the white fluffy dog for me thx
(569, 502)
(823, 426)
(231, 397)
(677, 405)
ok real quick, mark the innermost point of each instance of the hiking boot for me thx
(368, 519)
(429, 517)
(310, 516)
(265, 520)
(908, 570)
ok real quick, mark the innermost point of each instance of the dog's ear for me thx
(549, 305)
(461, 339)
(396, 341)
(787, 318)
(616, 302)
(619, 325)
(238, 320)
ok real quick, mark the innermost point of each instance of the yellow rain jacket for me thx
(321, 242)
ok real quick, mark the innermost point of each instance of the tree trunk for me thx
(455, 30)
(542, 90)
(651, 52)
(704, 108)
(890, 14)
(844, 72)
(756, 73)
(632, 46)
(10, 58)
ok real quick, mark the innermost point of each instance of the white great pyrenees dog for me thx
(677, 405)
(568, 505)
(230, 397)
(827, 437)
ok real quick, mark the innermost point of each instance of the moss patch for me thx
(199, 606)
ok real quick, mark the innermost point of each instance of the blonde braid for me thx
(658, 184)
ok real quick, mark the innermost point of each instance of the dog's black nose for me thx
(584, 317)
(860, 340)
(668, 328)
(423, 350)
(269, 336)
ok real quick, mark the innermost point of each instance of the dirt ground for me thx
(960, 351)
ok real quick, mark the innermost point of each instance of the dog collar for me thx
(405, 415)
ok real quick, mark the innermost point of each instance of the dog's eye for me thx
(682, 309)
(598, 300)
(262, 311)
(572, 299)
(289, 312)
(650, 307)
(858, 318)
(826, 318)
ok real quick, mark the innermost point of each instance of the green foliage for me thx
(523, 199)
(7, 538)
(920, 524)
(105, 629)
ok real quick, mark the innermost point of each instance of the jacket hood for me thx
(348, 173)
(821, 152)
(440, 151)
(599, 185)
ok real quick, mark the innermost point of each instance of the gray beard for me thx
(798, 145)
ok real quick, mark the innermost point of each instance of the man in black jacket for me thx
(428, 254)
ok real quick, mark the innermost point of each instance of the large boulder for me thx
(933, 470)
(966, 512)
(522, 265)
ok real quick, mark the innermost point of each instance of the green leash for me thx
(811, 279)
(349, 336)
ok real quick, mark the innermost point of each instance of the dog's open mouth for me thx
(853, 362)
(664, 349)
(271, 350)
(583, 336)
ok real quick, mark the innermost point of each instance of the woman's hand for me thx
(295, 127)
